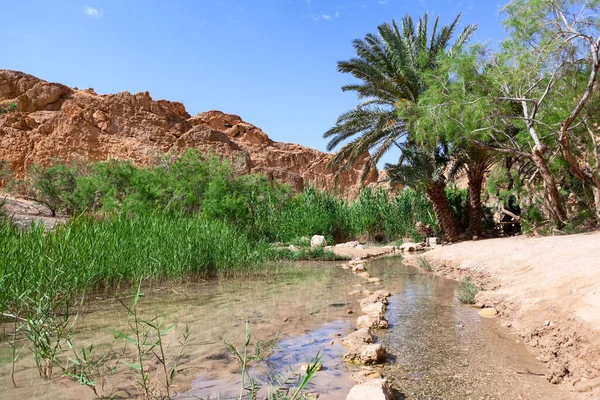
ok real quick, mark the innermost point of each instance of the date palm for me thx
(428, 171)
(390, 68)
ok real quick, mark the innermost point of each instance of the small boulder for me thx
(382, 293)
(293, 248)
(488, 312)
(373, 280)
(359, 268)
(354, 292)
(318, 241)
(357, 338)
(411, 246)
(374, 298)
(376, 389)
(356, 261)
(374, 308)
(363, 274)
(366, 354)
(372, 321)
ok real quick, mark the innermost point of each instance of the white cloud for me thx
(337, 14)
(326, 17)
(93, 12)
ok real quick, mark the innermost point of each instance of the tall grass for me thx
(181, 216)
(88, 253)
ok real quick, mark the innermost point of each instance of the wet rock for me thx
(372, 321)
(365, 375)
(372, 299)
(376, 389)
(366, 354)
(359, 268)
(374, 308)
(318, 241)
(358, 338)
(488, 312)
(382, 293)
(411, 247)
(356, 261)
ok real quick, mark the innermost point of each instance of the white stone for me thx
(376, 389)
(318, 241)
(411, 246)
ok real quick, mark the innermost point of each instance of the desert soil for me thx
(545, 288)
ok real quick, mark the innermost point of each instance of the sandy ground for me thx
(547, 289)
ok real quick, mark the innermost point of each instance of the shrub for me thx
(466, 291)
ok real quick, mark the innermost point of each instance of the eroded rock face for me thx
(55, 121)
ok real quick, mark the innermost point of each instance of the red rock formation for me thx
(54, 121)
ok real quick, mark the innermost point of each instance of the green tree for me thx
(547, 67)
(428, 171)
(455, 109)
(389, 68)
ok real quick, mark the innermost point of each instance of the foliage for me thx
(423, 263)
(390, 68)
(87, 253)
(148, 337)
(7, 107)
(466, 291)
(250, 386)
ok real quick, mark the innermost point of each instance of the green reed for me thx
(87, 253)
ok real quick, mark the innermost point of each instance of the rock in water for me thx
(318, 241)
(372, 321)
(377, 389)
(366, 354)
(357, 338)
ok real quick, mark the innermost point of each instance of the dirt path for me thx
(547, 289)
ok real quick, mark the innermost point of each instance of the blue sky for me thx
(273, 62)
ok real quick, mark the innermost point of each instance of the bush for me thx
(466, 291)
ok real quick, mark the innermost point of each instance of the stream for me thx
(438, 348)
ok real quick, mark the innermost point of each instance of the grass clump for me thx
(466, 291)
(424, 264)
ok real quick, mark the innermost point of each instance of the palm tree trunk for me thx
(436, 194)
(552, 197)
(476, 177)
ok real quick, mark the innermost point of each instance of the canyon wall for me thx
(53, 121)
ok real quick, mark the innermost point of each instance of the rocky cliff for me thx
(54, 121)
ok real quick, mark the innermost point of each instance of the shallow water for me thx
(439, 349)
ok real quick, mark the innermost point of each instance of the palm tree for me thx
(428, 171)
(390, 68)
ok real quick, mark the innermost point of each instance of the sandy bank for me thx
(547, 289)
